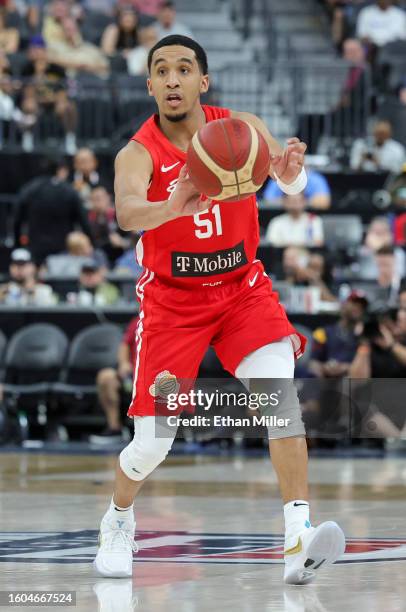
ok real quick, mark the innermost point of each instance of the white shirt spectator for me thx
(137, 61)
(390, 156)
(381, 26)
(305, 230)
(14, 294)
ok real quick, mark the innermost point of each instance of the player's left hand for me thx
(289, 164)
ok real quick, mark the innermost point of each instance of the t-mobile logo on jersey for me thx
(206, 264)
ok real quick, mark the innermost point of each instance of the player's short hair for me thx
(183, 41)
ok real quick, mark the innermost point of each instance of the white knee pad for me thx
(270, 370)
(149, 447)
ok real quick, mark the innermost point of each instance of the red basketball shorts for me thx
(177, 326)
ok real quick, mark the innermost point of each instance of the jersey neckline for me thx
(174, 148)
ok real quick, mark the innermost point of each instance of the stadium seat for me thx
(118, 64)
(33, 359)
(93, 26)
(342, 231)
(74, 398)
(392, 60)
(91, 350)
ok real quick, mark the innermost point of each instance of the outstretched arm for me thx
(286, 164)
(133, 171)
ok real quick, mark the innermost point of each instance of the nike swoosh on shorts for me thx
(251, 281)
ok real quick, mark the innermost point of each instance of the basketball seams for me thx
(232, 156)
(217, 154)
(248, 167)
(209, 161)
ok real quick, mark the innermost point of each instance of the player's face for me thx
(176, 81)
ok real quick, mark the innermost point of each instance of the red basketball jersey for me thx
(207, 248)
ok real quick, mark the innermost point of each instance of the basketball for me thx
(228, 159)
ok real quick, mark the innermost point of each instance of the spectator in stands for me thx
(333, 350)
(23, 288)
(381, 353)
(302, 269)
(48, 90)
(388, 278)
(378, 235)
(295, 227)
(79, 249)
(402, 92)
(317, 192)
(137, 58)
(4, 64)
(85, 175)
(381, 23)
(52, 29)
(32, 12)
(127, 263)
(38, 64)
(103, 223)
(343, 18)
(349, 115)
(148, 8)
(167, 22)
(9, 37)
(48, 208)
(380, 153)
(74, 54)
(402, 296)
(93, 288)
(397, 190)
(334, 346)
(10, 113)
(122, 36)
(113, 384)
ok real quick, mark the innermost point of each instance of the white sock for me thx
(121, 514)
(296, 514)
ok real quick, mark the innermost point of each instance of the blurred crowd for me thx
(46, 45)
(370, 38)
(75, 253)
(78, 239)
(371, 33)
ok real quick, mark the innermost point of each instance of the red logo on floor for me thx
(182, 547)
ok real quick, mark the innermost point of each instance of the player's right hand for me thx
(185, 199)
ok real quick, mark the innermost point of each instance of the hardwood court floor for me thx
(209, 534)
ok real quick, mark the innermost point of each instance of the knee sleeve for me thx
(270, 371)
(149, 447)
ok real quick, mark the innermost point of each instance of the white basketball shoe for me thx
(114, 558)
(313, 549)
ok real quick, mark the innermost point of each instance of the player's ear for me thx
(149, 87)
(204, 84)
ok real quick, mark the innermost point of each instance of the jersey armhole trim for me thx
(155, 163)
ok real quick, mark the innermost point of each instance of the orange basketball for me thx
(228, 159)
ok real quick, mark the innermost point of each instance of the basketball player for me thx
(203, 286)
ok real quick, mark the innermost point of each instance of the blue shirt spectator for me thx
(317, 192)
(127, 264)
